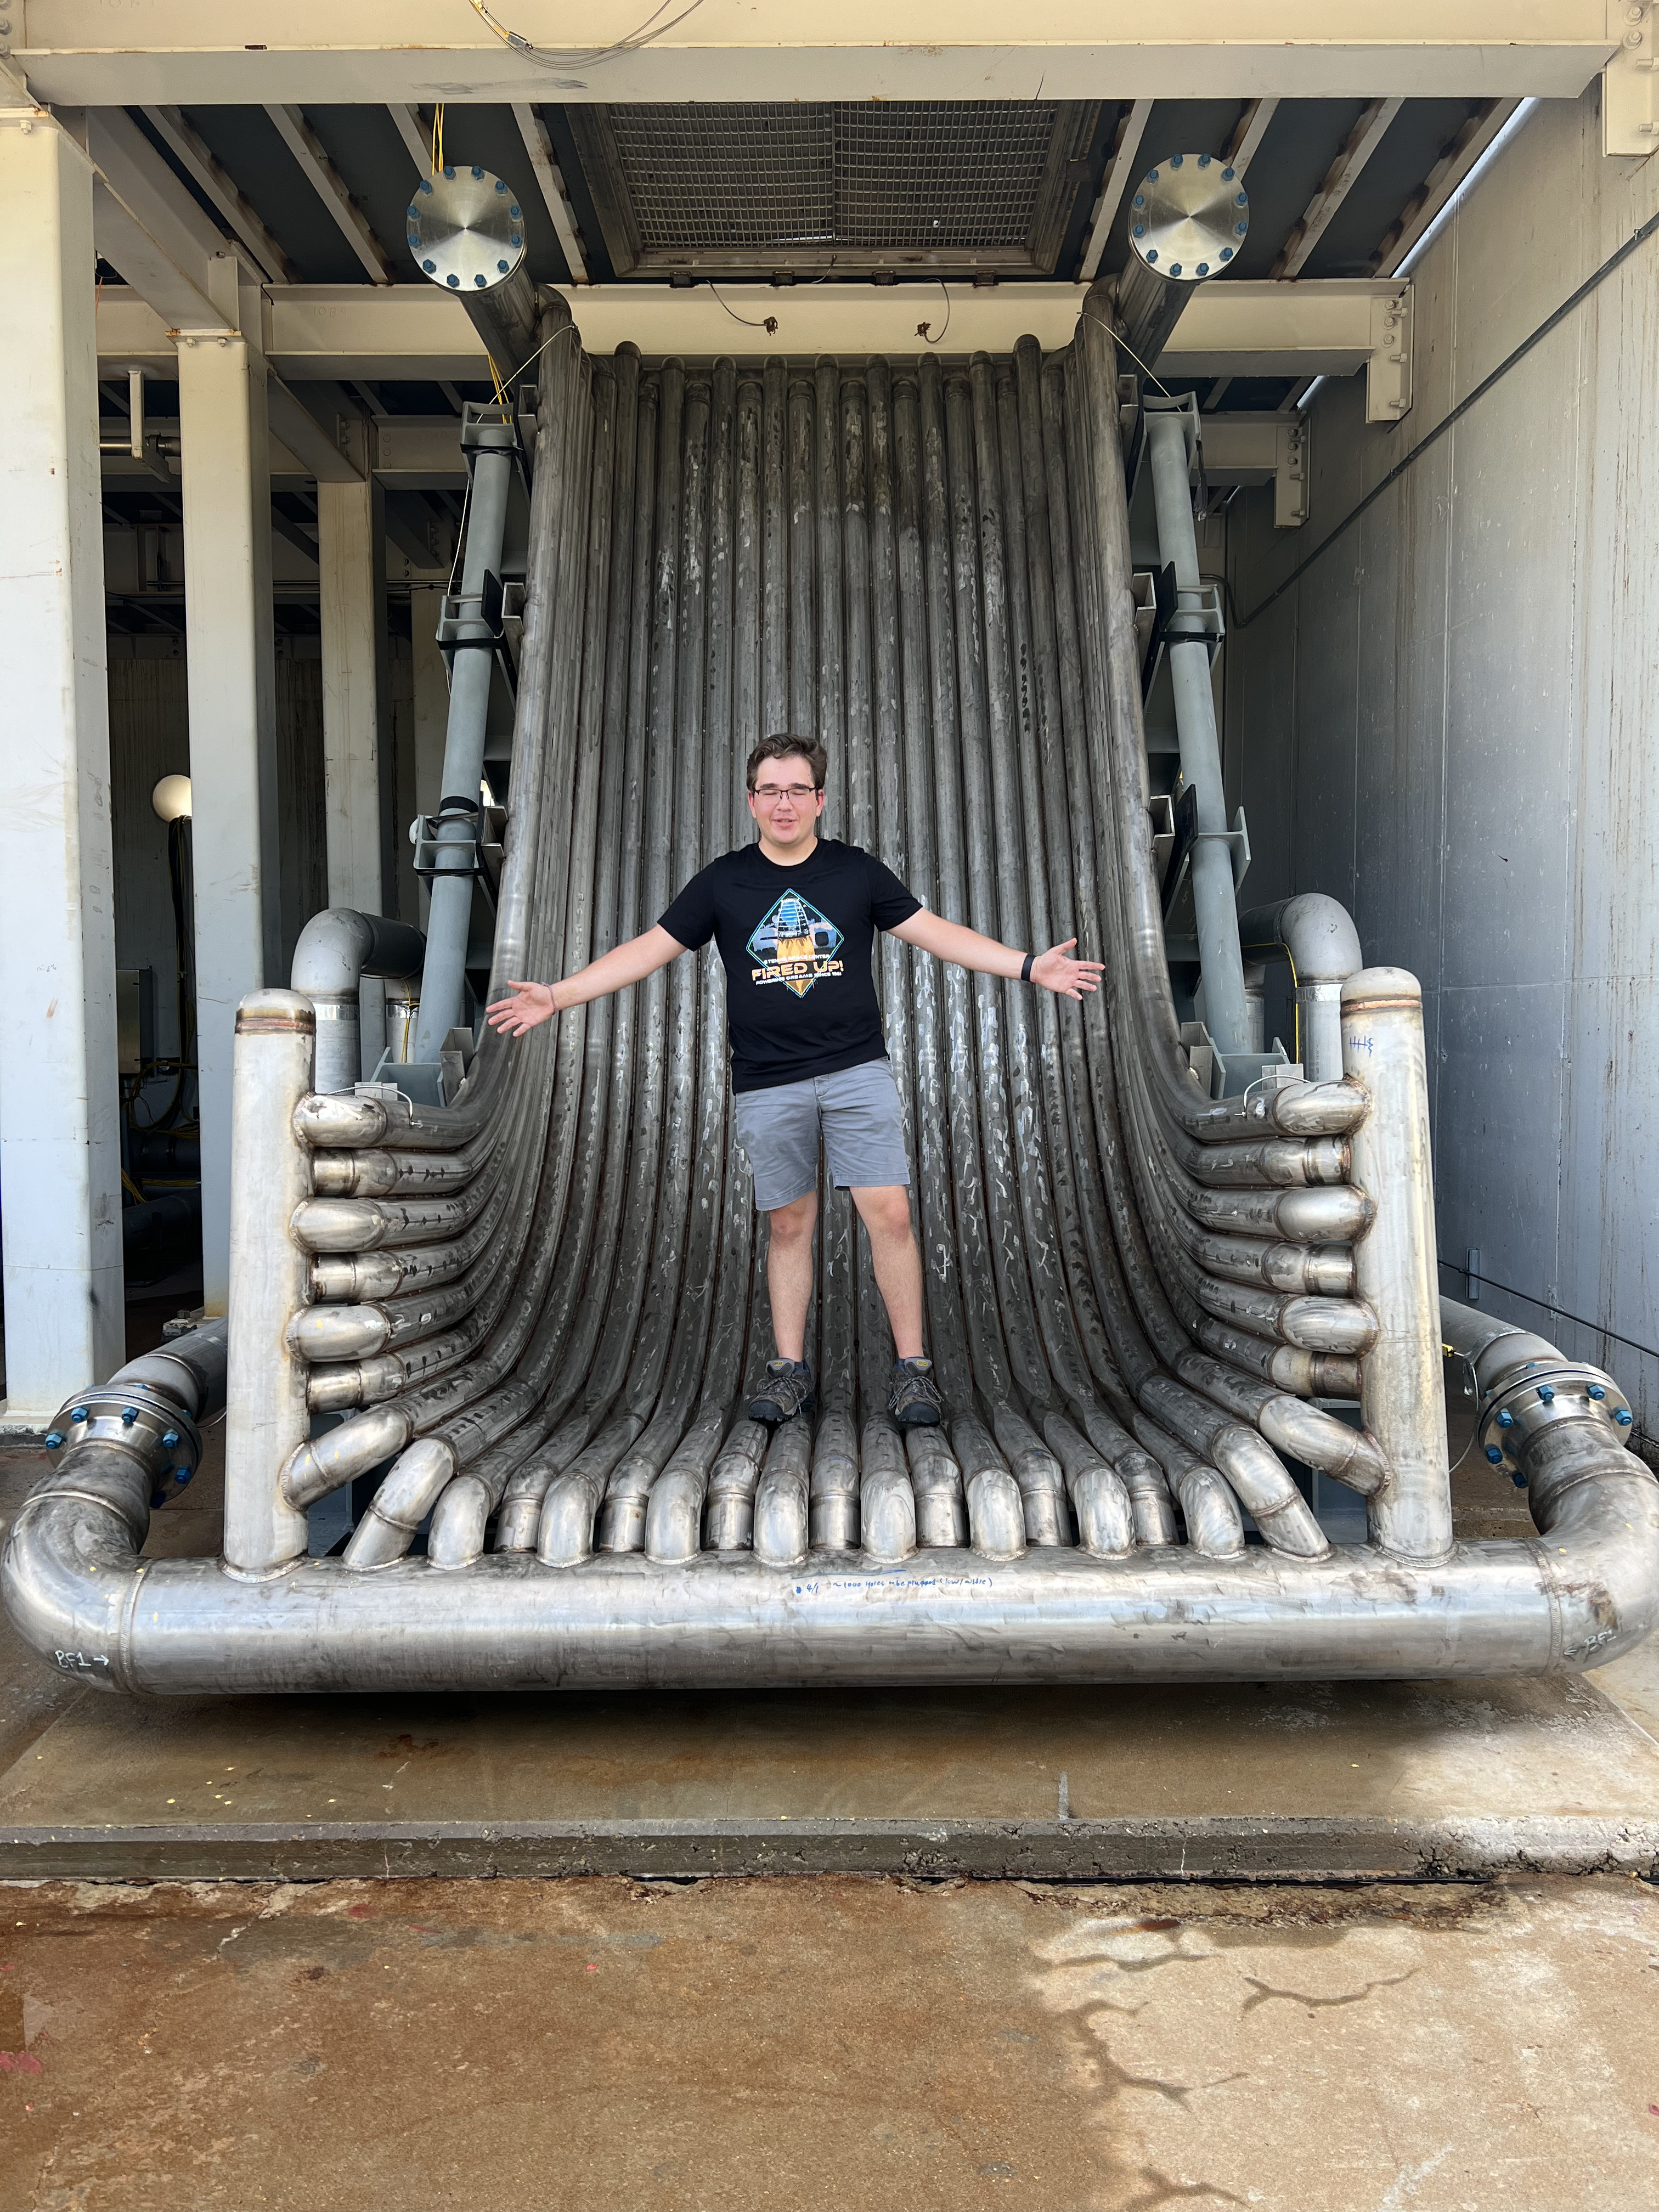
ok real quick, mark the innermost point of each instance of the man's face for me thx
(784, 802)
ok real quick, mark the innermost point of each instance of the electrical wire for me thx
(1085, 317)
(1546, 1305)
(922, 328)
(438, 139)
(567, 58)
(769, 323)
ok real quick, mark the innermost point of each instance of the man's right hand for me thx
(531, 1003)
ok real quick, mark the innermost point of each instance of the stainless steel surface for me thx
(1317, 935)
(1188, 216)
(466, 230)
(266, 1415)
(336, 949)
(1403, 1389)
(554, 1286)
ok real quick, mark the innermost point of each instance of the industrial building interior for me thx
(1278, 623)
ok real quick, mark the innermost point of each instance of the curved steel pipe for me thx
(336, 949)
(1590, 1592)
(1132, 1289)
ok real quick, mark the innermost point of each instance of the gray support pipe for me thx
(1226, 1013)
(1402, 1388)
(337, 949)
(1317, 936)
(270, 1280)
(449, 918)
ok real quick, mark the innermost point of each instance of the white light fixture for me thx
(171, 798)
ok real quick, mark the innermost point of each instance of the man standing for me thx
(795, 917)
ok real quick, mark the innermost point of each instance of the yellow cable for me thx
(128, 1183)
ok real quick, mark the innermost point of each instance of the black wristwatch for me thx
(1025, 968)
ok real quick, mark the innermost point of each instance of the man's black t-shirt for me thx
(796, 942)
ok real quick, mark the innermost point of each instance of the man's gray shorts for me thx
(853, 1116)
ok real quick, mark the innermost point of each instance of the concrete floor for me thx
(740, 2046)
(844, 2039)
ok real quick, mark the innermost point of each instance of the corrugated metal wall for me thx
(1459, 702)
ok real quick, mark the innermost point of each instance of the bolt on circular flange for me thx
(1188, 218)
(465, 230)
(1542, 1395)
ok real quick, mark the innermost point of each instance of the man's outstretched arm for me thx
(1054, 969)
(632, 962)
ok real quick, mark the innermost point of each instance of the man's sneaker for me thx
(913, 1399)
(788, 1391)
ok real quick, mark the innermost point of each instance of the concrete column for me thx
(231, 642)
(60, 1162)
(431, 706)
(356, 688)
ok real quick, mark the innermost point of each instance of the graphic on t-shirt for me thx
(796, 946)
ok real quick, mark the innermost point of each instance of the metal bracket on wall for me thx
(1630, 82)
(1250, 449)
(1389, 371)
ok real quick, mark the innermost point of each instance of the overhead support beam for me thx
(1444, 182)
(550, 181)
(308, 150)
(1328, 326)
(411, 129)
(1119, 171)
(1337, 183)
(1325, 326)
(1252, 128)
(135, 173)
(294, 425)
(175, 52)
(1252, 449)
(194, 155)
(162, 253)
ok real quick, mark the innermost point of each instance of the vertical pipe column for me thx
(1402, 1390)
(431, 684)
(233, 717)
(351, 582)
(1225, 1011)
(356, 719)
(449, 918)
(59, 1148)
(266, 1416)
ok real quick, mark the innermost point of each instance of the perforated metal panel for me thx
(979, 183)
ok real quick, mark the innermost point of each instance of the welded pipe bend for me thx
(1584, 1592)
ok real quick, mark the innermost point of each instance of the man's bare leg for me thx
(789, 1272)
(884, 1209)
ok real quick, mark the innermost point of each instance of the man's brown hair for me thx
(784, 747)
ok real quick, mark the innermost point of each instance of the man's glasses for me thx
(769, 794)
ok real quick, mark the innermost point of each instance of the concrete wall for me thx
(1451, 723)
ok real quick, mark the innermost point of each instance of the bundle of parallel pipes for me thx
(532, 1315)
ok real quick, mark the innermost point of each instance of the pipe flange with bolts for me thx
(141, 1421)
(1540, 1397)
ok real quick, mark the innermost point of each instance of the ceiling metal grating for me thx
(814, 184)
